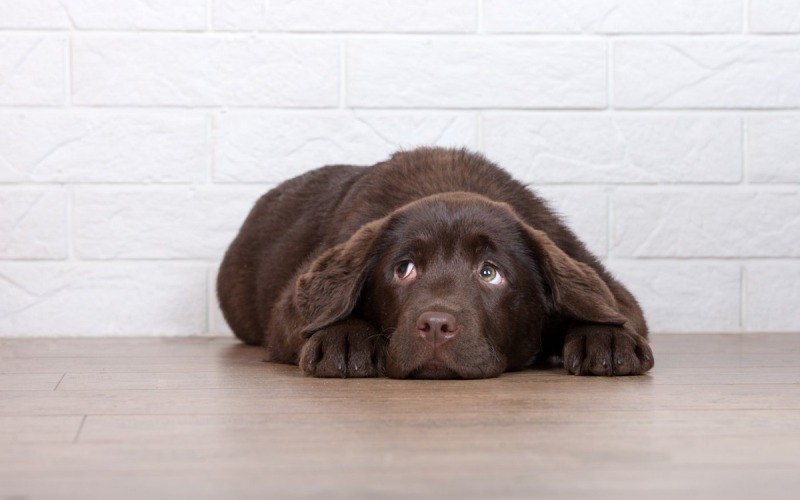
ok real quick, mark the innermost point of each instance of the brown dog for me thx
(433, 264)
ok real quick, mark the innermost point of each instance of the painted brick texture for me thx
(135, 135)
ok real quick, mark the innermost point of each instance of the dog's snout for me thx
(437, 327)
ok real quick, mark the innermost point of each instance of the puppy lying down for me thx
(432, 264)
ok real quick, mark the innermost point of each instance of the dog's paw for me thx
(606, 350)
(348, 349)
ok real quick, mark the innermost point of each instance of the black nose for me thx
(436, 328)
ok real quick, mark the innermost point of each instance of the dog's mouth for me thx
(433, 369)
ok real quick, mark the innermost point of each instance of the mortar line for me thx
(322, 34)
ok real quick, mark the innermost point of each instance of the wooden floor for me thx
(719, 417)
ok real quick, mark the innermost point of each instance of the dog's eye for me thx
(405, 270)
(491, 275)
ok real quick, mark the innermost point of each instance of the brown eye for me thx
(405, 271)
(490, 275)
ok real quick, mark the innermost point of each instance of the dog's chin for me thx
(433, 370)
(437, 369)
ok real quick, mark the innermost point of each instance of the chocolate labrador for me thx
(432, 264)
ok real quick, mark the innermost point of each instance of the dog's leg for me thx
(596, 349)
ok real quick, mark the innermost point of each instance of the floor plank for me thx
(39, 429)
(385, 479)
(136, 364)
(30, 381)
(128, 347)
(537, 424)
(253, 376)
(719, 417)
(406, 397)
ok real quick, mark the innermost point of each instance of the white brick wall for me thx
(135, 135)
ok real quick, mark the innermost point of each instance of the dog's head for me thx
(459, 285)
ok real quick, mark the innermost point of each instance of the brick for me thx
(775, 16)
(707, 74)
(774, 149)
(621, 149)
(347, 15)
(275, 147)
(54, 146)
(33, 14)
(711, 223)
(138, 14)
(238, 14)
(684, 296)
(205, 70)
(33, 223)
(32, 70)
(772, 295)
(159, 222)
(612, 16)
(96, 299)
(584, 210)
(476, 73)
(102, 14)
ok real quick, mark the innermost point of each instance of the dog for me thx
(433, 264)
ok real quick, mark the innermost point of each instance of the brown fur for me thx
(315, 275)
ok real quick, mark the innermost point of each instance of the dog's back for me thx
(282, 231)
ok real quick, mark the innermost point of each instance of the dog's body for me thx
(433, 264)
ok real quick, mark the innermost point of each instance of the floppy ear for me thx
(576, 290)
(329, 290)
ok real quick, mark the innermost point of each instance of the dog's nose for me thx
(437, 327)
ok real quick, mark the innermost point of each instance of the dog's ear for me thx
(330, 288)
(575, 289)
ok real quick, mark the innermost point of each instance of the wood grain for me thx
(719, 417)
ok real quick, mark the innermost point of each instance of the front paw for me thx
(606, 350)
(347, 349)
